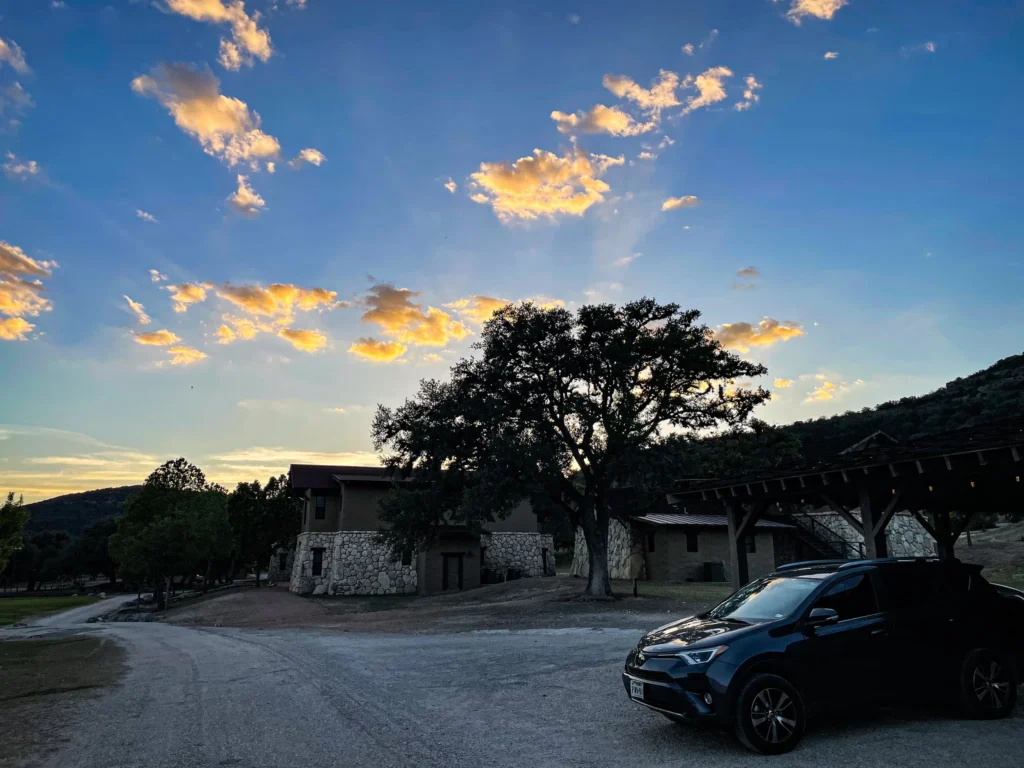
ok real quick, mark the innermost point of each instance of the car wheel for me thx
(770, 715)
(988, 685)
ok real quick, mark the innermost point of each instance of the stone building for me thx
(336, 552)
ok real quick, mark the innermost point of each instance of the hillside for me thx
(989, 395)
(75, 512)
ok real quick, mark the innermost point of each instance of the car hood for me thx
(679, 634)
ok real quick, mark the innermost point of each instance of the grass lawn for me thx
(14, 609)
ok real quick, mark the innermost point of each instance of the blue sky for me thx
(876, 193)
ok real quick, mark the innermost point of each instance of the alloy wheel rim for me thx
(773, 715)
(990, 685)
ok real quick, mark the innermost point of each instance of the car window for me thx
(850, 598)
(774, 597)
(910, 589)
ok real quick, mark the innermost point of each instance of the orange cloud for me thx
(248, 42)
(185, 355)
(783, 383)
(13, 55)
(223, 126)
(278, 299)
(161, 338)
(225, 335)
(308, 155)
(742, 336)
(14, 329)
(824, 391)
(187, 293)
(377, 351)
(710, 87)
(477, 309)
(307, 341)
(602, 119)
(543, 184)
(397, 315)
(820, 9)
(245, 201)
(750, 94)
(675, 203)
(661, 95)
(139, 310)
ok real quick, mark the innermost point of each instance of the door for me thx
(846, 657)
(451, 571)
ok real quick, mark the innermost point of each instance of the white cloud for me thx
(688, 49)
(573, 18)
(308, 155)
(625, 261)
(912, 50)
(450, 185)
(750, 94)
(13, 55)
(602, 119)
(14, 100)
(710, 86)
(146, 217)
(156, 276)
(20, 169)
(661, 95)
(831, 55)
(224, 127)
(245, 201)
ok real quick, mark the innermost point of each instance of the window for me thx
(282, 561)
(318, 561)
(321, 507)
(650, 542)
(765, 599)
(691, 541)
(406, 557)
(850, 598)
(750, 543)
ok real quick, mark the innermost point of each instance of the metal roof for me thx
(710, 521)
(323, 475)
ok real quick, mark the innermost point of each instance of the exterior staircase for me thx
(819, 538)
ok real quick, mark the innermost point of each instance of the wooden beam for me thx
(783, 481)
(888, 512)
(924, 523)
(750, 517)
(892, 470)
(949, 464)
(1015, 453)
(844, 513)
(733, 489)
(874, 541)
(824, 478)
(920, 467)
(981, 458)
(845, 478)
(738, 571)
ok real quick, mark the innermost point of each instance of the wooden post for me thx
(874, 541)
(739, 573)
(943, 532)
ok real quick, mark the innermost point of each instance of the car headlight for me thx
(702, 655)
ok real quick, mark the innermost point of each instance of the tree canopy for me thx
(557, 406)
(12, 522)
(263, 518)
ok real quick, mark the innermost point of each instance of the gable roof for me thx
(707, 521)
(328, 476)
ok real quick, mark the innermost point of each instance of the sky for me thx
(228, 230)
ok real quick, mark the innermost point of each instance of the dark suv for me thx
(826, 634)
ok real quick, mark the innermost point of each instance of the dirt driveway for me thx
(523, 604)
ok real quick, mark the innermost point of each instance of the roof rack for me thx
(890, 560)
(809, 564)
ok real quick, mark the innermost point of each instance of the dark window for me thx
(650, 542)
(282, 561)
(750, 543)
(851, 598)
(691, 541)
(318, 561)
(321, 507)
(406, 557)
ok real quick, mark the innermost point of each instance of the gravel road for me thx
(537, 697)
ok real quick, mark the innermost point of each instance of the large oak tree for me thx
(557, 407)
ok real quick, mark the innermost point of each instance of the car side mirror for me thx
(821, 617)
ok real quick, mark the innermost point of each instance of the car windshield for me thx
(773, 597)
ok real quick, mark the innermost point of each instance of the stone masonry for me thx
(355, 564)
(625, 552)
(904, 536)
(522, 551)
(274, 572)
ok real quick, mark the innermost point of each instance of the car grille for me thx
(646, 674)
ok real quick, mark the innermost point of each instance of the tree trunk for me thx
(206, 577)
(159, 594)
(598, 583)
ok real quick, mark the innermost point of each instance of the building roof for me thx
(707, 521)
(328, 476)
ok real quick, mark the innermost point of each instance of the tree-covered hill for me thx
(989, 395)
(75, 512)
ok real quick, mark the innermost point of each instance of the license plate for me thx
(636, 690)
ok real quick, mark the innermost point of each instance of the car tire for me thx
(770, 715)
(988, 685)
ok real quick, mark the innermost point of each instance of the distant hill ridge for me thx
(989, 395)
(75, 512)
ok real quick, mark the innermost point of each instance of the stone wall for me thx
(904, 536)
(303, 581)
(275, 573)
(365, 567)
(522, 551)
(625, 552)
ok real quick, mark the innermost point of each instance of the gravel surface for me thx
(541, 697)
